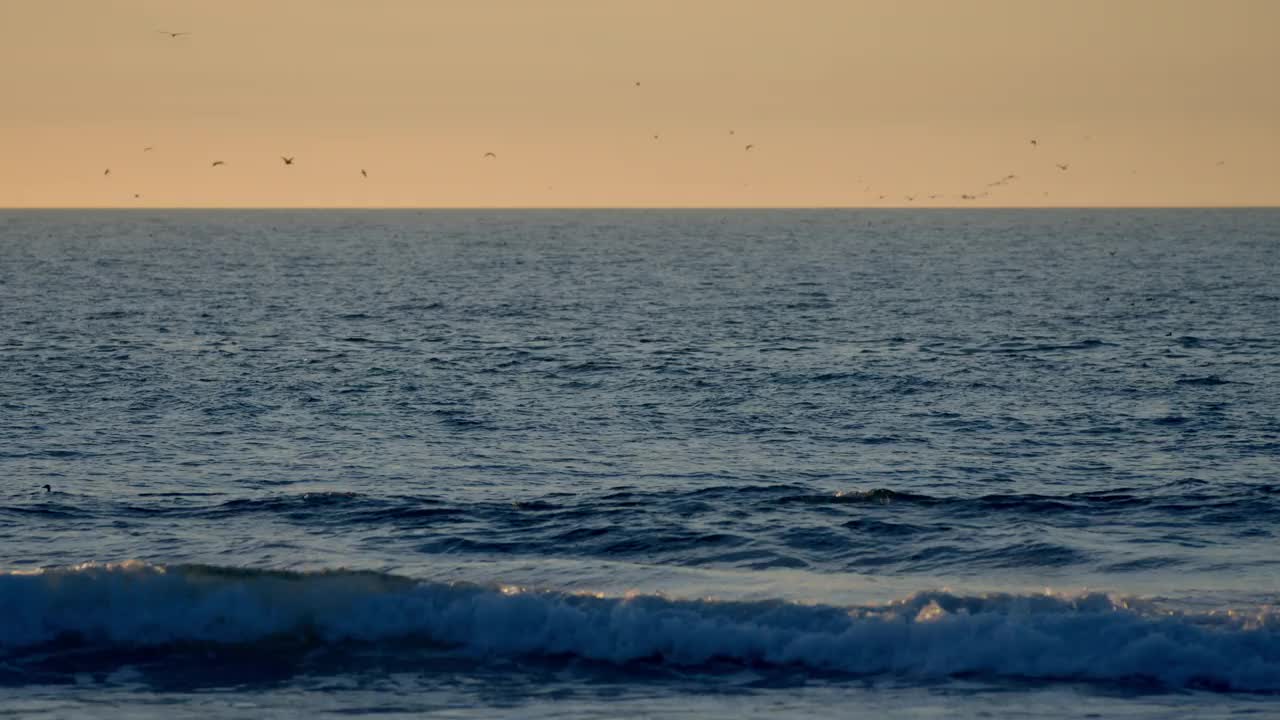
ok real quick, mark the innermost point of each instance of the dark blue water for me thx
(602, 463)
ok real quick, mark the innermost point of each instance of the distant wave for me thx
(1175, 499)
(1091, 637)
(778, 525)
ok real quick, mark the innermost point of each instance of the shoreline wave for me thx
(929, 635)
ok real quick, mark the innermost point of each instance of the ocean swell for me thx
(1091, 637)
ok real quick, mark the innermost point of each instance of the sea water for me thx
(640, 463)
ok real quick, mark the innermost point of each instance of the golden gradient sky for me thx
(1150, 102)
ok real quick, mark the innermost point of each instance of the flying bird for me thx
(1063, 166)
(216, 163)
(749, 147)
(731, 132)
(107, 171)
(1034, 143)
(363, 173)
(287, 160)
(637, 83)
(655, 137)
(173, 34)
(147, 149)
(137, 195)
(491, 155)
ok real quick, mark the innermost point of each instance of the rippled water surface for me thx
(617, 463)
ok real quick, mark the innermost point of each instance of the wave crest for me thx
(935, 634)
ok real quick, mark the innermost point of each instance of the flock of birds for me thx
(969, 196)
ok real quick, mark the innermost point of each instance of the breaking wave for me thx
(1090, 637)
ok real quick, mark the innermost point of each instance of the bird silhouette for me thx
(655, 137)
(750, 147)
(47, 488)
(731, 132)
(287, 160)
(1063, 166)
(107, 171)
(1035, 144)
(137, 195)
(363, 173)
(216, 163)
(637, 83)
(147, 149)
(491, 155)
(173, 34)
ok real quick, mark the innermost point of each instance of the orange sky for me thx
(1149, 102)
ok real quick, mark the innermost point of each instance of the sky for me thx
(845, 102)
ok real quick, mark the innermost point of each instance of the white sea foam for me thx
(938, 634)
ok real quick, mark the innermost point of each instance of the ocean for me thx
(640, 463)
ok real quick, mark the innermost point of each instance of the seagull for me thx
(731, 132)
(147, 149)
(491, 155)
(216, 163)
(47, 488)
(173, 34)
(1063, 166)
(749, 147)
(107, 171)
(637, 83)
(287, 160)
(363, 173)
(655, 137)
(910, 198)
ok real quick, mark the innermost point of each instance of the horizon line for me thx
(134, 208)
